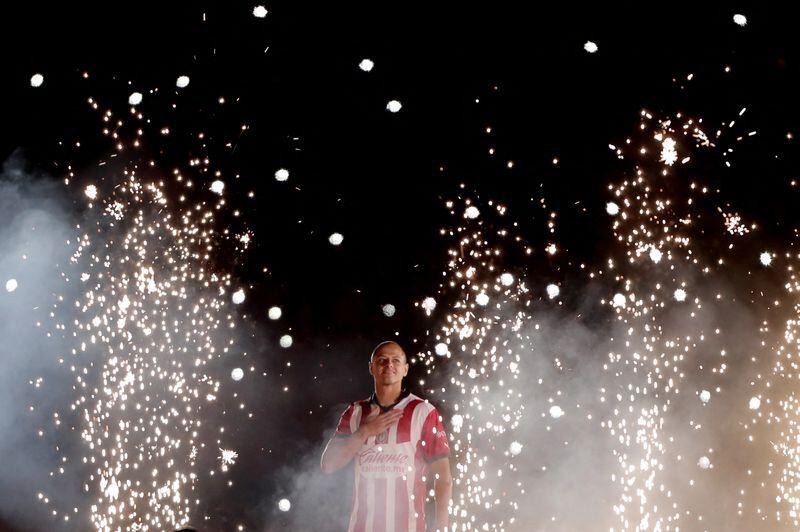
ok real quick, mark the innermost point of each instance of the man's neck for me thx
(388, 395)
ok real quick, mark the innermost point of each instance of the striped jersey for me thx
(390, 468)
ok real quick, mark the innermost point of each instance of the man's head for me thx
(388, 363)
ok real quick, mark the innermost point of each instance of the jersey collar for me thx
(374, 400)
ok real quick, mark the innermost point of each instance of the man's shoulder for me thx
(359, 403)
(420, 403)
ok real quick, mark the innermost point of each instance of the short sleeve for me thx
(343, 428)
(434, 438)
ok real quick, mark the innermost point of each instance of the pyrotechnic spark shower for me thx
(149, 334)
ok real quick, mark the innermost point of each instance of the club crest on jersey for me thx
(383, 437)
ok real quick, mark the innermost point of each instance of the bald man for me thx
(398, 443)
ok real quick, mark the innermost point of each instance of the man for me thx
(398, 442)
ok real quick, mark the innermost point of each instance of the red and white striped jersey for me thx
(389, 490)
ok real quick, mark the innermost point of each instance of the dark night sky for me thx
(371, 175)
(380, 178)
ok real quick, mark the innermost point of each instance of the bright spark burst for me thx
(282, 174)
(515, 448)
(228, 457)
(618, 300)
(680, 294)
(274, 313)
(217, 186)
(472, 212)
(552, 291)
(612, 208)
(135, 98)
(740, 20)
(705, 396)
(11, 285)
(765, 258)
(668, 152)
(238, 297)
(260, 11)
(556, 412)
(182, 82)
(335, 239)
(394, 106)
(754, 403)
(429, 304)
(237, 374)
(286, 341)
(284, 505)
(590, 47)
(655, 255)
(506, 279)
(37, 80)
(90, 191)
(366, 65)
(388, 310)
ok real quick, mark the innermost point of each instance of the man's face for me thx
(389, 365)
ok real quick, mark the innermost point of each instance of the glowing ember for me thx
(394, 106)
(552, 291)
(336, 239)
(274, 313)
(754, 404)
(217, 186)
(238, 297)
(228, 457)
(680, 294)
(619, 300)
(655, 255)
(472, 212)
(366, 65)
(668, 153)
(90, 191)
(506, 279)
(765, 258)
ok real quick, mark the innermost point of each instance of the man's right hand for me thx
(379, 423)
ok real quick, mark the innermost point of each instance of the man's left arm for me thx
(442, 489)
